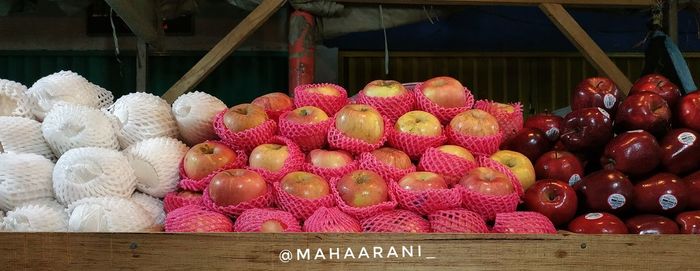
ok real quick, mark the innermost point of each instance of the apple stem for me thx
(598, 85)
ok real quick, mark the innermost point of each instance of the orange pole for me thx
(301, 49)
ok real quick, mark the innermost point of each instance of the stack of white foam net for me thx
(24, 177)
(22, 135)
(14, 100)
(194, 113)
(153, 206)
(67, 87)
(37, 216)
(155, 162)
(108, 214)
(142, 116)
(70, 126)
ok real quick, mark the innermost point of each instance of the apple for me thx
(529, 141)
(275, 101)
(269, 156)
(501, 107)
(419, 123)
(305, 185)
(204, 158)
(384, 88)
(324, 90)
(688, 111)
(244, 116)
(329, 159)
(634, 153)
(596, 92)
(646, 111)
(692, 182)
(362, 188)
(663, 194)
(587, 129)
(475, 122)
(487, 181)
(272, 225)
(658, 84)
(361, 122)
(421, 181)
(458, 151)
(606, 190)
(548, 123)
(559, 165)
(307, 115)
(598, 223)
(689, 222)
(233, 186)
(392, 157)
(519, 164)
(554, 199)
(445, 91)
(651, 224)
(680, 151)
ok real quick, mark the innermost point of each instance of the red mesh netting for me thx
(428, 201)
(331, 220)
(327, 103)
(444, 114)
(391, 107)
(509, 123)
(263, 201)
(362, 212)
(293, 162)
(457, 220)
(450, 167)
(173, 201)
(195, 218)
(490, 163)
(246, 139)
(307, 136)
(251, 220)
(391, 174)
(478, 145)
(523, 222)
(396, 221)
(275, 114)
(198, 185)
(301, 208)
(338, 140)
(486, 205)
(413, 145)
(330, 173)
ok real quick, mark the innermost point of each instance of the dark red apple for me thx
(596, 92)
(598, 223)
(651, 224)
(689, 222)
(633, 153)
(559, 165)
(644, 111)
(688, 111)
(692, 182)
(663, 193)
(606, 190)
(554, 199)
(658, 84)
(587, 129)
(548, 123)
(680, 151)
(530, 142)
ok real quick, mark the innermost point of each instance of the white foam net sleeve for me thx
(142, 116)
(24, 177)
(74, 126)
(156, 164)
(14, 100)
(92, 172)
(152, 205)
(108, 214)
(22, 135)
(37, 216)
(66, 87)
(194, 113)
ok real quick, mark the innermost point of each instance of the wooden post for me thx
(224, 48)
(671, 19)
(141, 65)
(590, 50)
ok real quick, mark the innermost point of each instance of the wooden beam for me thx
(224, 48)
(629, 3)
(671, 20)
(590, 50)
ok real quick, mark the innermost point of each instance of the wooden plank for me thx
(627, 3)
(99, 251)
(590, 50)
(671, 20)
(224, 48)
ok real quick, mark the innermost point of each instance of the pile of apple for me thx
(617, 164)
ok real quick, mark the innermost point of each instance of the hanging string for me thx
(386, 42)
(116, 41)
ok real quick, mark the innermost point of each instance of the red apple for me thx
(272, 225)
(244, 116)
(233, 186)
(651, 224)
(688, 111)
(487, 181)
(548, 123)
(596, 92)
(361, 122)
(392, 157)
(384, 88)
(598, 223)
(205, 158)
(644, 111)
(307, 115)
(559, 165)
(329, 159)
(269, 156)
(362, 188)
(445, 91)
(692, 182)
(606, 191)
(634, 153)
(421, 181)
(554, 199)
(324, 90)
(587, 129)
(275, 101)
(305, 185)
(475, 122)
(658, 84)
(689, 222)
(663, 193)
(419, 123)
(530, 142)
(458, 151)
(680, 151)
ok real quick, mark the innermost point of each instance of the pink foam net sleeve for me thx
(396, 221)
(457, 221)
(264, 201)
(444, 114)
(391, 107)
(523, 223)
(331, 220)
(252, 220)
(247, 139)
(327, 103)
(174, 201)
(307, 136)
(362, 212)
(391, 174)
(195, 218)
(450, 167)
(300, 208)
(427, 201)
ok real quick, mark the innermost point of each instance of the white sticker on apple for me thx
(609, 100)
(552, 132)
(574, 179)
(605, 113)
(687, 138)
(668, 201)
(616, 201)
(636, 131)
(593, 216)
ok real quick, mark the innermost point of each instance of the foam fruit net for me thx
(487, 205)
(30, 141)
(252, 220)
(75, 126)
(264, 201)
(195, 218)
(307, 136)
(331, 220)
(153, 206)
(14, 100)
(428, 201)
(478, 145)
(188, 183)
(337, 140)
(194, 113)
(174, 200)
(37, 216)
(523, 223)
(391, 107)
(369, 162)
(444, 114)
(300, 208)
(156, 155)
(108, 214)
(24, 177)
(362, 212)
(413, 145)
(67, 87)
(142, 116)
(457, 220)
(396, 221)
(327, 103)
(449, 166)
(330, 173)
(293, 162)
(247, 139)
(509, 123)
